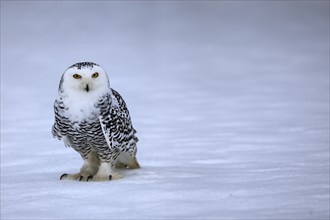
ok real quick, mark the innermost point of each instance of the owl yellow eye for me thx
(76, 76)
(95, 75)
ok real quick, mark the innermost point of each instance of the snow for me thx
(230, 101)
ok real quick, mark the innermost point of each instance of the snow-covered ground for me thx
(230, 100)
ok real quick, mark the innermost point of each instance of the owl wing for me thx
(62, 124)
(56, 129)
(116, 122)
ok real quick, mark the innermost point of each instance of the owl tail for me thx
(125, 160)
(134, 164)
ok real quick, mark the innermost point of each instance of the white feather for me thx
(81, 103)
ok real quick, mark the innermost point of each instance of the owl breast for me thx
(89, 132)
(79, 123)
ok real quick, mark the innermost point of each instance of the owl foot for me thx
(89, 178)
(66, 176)
(104, 173)
(89, 168)
(98, 178)
(77, 176)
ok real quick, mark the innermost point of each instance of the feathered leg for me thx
(107, 166)
(89, 168)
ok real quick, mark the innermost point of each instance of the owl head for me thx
(84, 78)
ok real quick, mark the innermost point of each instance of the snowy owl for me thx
(93, 119)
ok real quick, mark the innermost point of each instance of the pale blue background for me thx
(230, 101)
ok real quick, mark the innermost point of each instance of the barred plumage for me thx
(94, 120)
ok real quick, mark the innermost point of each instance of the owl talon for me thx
(63, 175)
(81, 177)
(89, 178)
(110, 177)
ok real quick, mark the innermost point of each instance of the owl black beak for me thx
(87, 88)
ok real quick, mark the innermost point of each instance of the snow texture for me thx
(230, 100)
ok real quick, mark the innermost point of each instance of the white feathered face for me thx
(84, 78)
